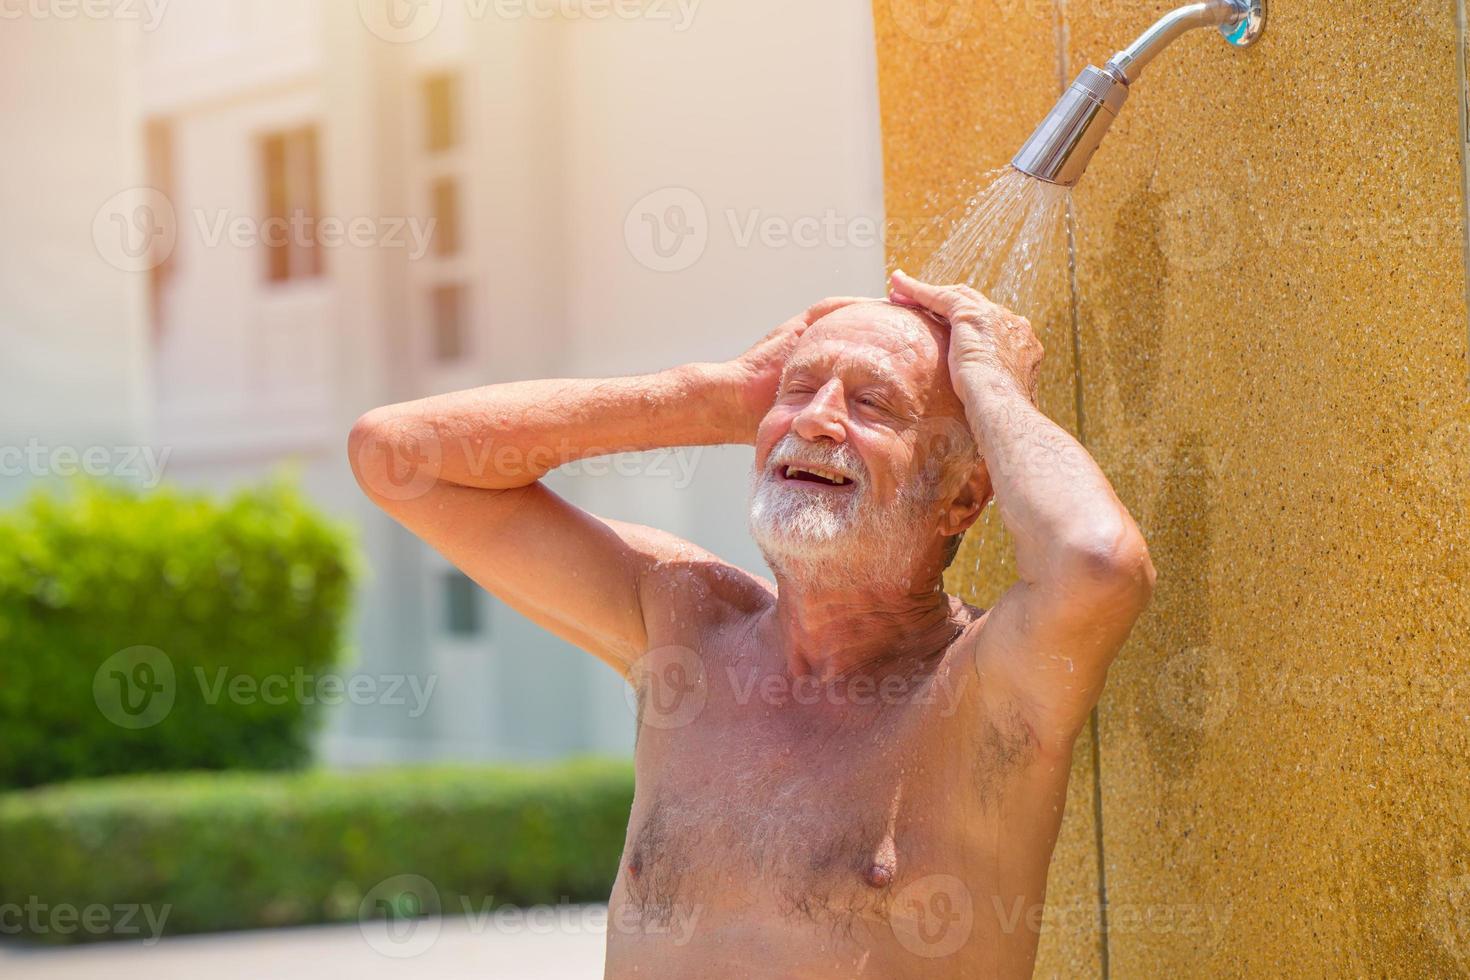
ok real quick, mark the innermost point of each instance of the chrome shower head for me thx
(1061, 147)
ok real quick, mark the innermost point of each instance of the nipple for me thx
(885, 864)
(878, 875)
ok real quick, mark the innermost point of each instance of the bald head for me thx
(909, 346)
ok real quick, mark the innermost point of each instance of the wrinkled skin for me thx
(846, 772)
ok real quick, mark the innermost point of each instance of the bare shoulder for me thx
(694, 587)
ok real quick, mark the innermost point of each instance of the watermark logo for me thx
(403, 917)
(403, 463)
(1202, 229)
(667, 230)
(301, 230)
(932, 21)
(1198, 230)
(933, 916)
(135, 688)
(401, 21)
(136, 229)
(667, 687)
(399, 916)
(1196, 688)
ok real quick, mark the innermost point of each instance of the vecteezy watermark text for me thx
(302, 687)
(669, 229)
(402, 917)
(408, 21)
(414, 235)
(138, 229)
(37, 918)
(407, 463)
(669, 687)
(137, 688)
(143, 465)
(149, 13)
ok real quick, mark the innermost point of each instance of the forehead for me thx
(881, 337)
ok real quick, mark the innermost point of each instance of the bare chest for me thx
(805, 803)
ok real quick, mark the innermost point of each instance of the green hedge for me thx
(112, 602)
(242, 850)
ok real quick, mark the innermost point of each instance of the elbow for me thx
(1112, 561)
(360, 432)
(392, 458)
(364, 443)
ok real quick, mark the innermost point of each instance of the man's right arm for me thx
(462, 472)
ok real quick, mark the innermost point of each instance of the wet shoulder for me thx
(684, 587)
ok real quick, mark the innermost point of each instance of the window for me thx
(288, 232)
(158, 141)
(445, 197)
(462, 607)
(448, 320)
(441, 110)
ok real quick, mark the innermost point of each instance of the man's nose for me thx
(823, 416)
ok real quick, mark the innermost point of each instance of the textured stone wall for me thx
(1265, 349)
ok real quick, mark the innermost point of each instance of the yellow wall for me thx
(1271, 318)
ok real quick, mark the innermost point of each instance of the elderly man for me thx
(849, 773)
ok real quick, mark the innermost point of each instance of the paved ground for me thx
(567, 944)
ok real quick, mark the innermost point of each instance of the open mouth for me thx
(815, 474)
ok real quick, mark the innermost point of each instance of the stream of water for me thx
(1008, 240)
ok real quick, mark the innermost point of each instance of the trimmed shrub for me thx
(241, 850)
(122, 614)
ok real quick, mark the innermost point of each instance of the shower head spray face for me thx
(1061, 147)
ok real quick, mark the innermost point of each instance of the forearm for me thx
(510, 435)
(1056, 503)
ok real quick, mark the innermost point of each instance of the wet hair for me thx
(958, 457)
(953, 548)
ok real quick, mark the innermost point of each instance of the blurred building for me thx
(349, 204)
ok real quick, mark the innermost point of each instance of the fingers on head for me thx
(833, 303)
(949, 301)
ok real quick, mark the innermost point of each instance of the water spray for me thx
(1062, 146)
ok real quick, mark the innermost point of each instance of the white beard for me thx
(809, 534)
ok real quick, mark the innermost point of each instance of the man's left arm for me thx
(1084, 569)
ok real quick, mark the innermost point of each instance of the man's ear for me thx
(967, 504)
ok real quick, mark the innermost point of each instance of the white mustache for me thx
(794, 451)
